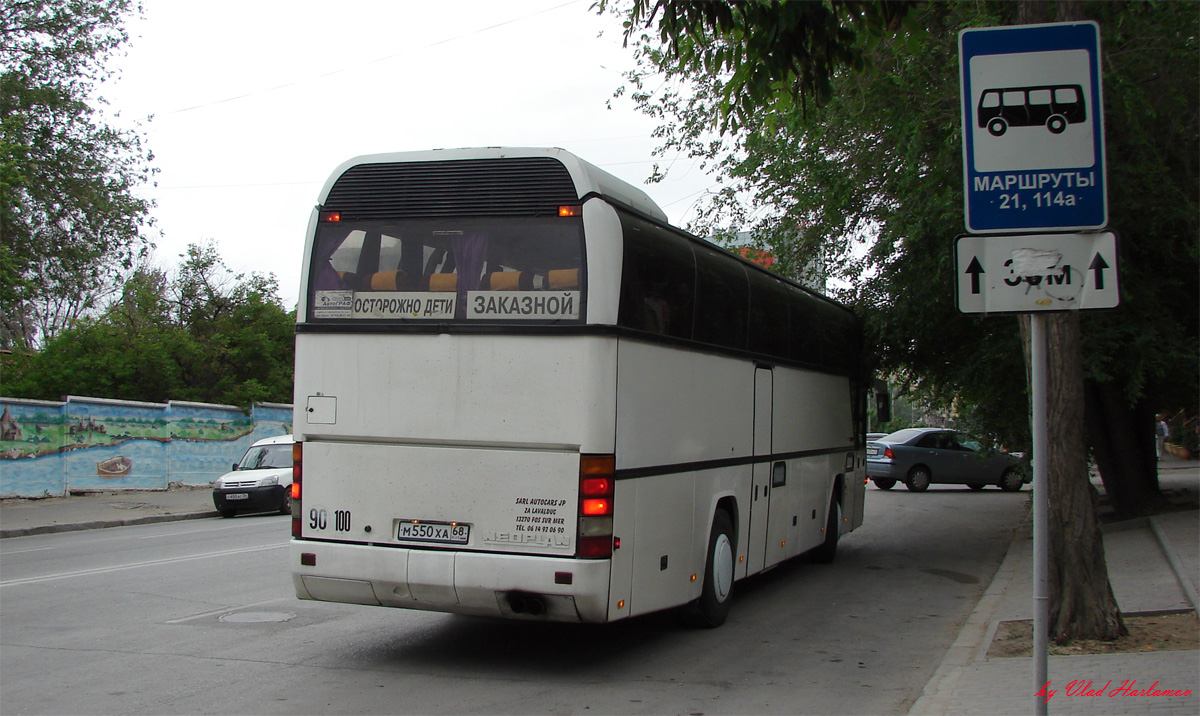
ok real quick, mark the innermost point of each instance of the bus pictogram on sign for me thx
(1049, 106)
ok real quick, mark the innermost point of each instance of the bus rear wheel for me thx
(997, 126)
(712, 608)
(825, 553)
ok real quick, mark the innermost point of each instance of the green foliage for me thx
(870, 181)
(767, 53)
(1152, 129)
(69, 217)
(206, 336)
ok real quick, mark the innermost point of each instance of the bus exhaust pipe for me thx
(530, 604)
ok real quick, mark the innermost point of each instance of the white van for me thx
(260, 482)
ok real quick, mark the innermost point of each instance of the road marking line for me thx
(23, 551)
(135, 565)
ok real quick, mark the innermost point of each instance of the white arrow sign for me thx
(1039, 272)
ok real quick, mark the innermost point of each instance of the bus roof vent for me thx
(525, 186)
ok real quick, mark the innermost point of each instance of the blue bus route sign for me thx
(1033, 128)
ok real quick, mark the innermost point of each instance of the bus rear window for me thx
(439, 270)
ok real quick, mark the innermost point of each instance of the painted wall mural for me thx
(53, 448)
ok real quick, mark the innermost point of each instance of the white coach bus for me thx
(521, 393)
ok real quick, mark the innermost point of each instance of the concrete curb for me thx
(1168, 549)
(102, 524)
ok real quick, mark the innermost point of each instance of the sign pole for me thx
(1033, 162)
(1041, 512)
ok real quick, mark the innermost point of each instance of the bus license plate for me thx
(237, 496)
(445, 532)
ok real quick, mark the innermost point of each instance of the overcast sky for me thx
(255, 102)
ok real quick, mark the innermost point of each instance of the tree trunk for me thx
(1122, 440)
(1082, 605)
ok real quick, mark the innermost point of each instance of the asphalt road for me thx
(199, 617)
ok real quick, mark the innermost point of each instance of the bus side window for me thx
(768, 316)
(722, 300)
(658, 278)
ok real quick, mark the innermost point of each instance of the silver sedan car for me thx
(920, 457)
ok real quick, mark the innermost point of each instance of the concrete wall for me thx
(82, 444)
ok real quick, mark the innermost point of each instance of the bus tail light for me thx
(297, 473)
(596, 490)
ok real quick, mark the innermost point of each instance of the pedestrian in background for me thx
(1160, 435)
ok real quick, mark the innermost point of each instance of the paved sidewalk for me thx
(93, 510)
(1153, 566)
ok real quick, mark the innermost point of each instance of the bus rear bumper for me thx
(499, 585)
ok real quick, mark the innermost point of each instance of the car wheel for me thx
(1011, 480)
(918, 479)
(711, 609)
(285, 504)
(226, 512)
(828, 549)
(976, 485)
(884, 483)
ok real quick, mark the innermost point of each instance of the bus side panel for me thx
(812, 412)
(663, 547)
(677, 406)
(620, 589)
(799, 507)
(855, 495)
